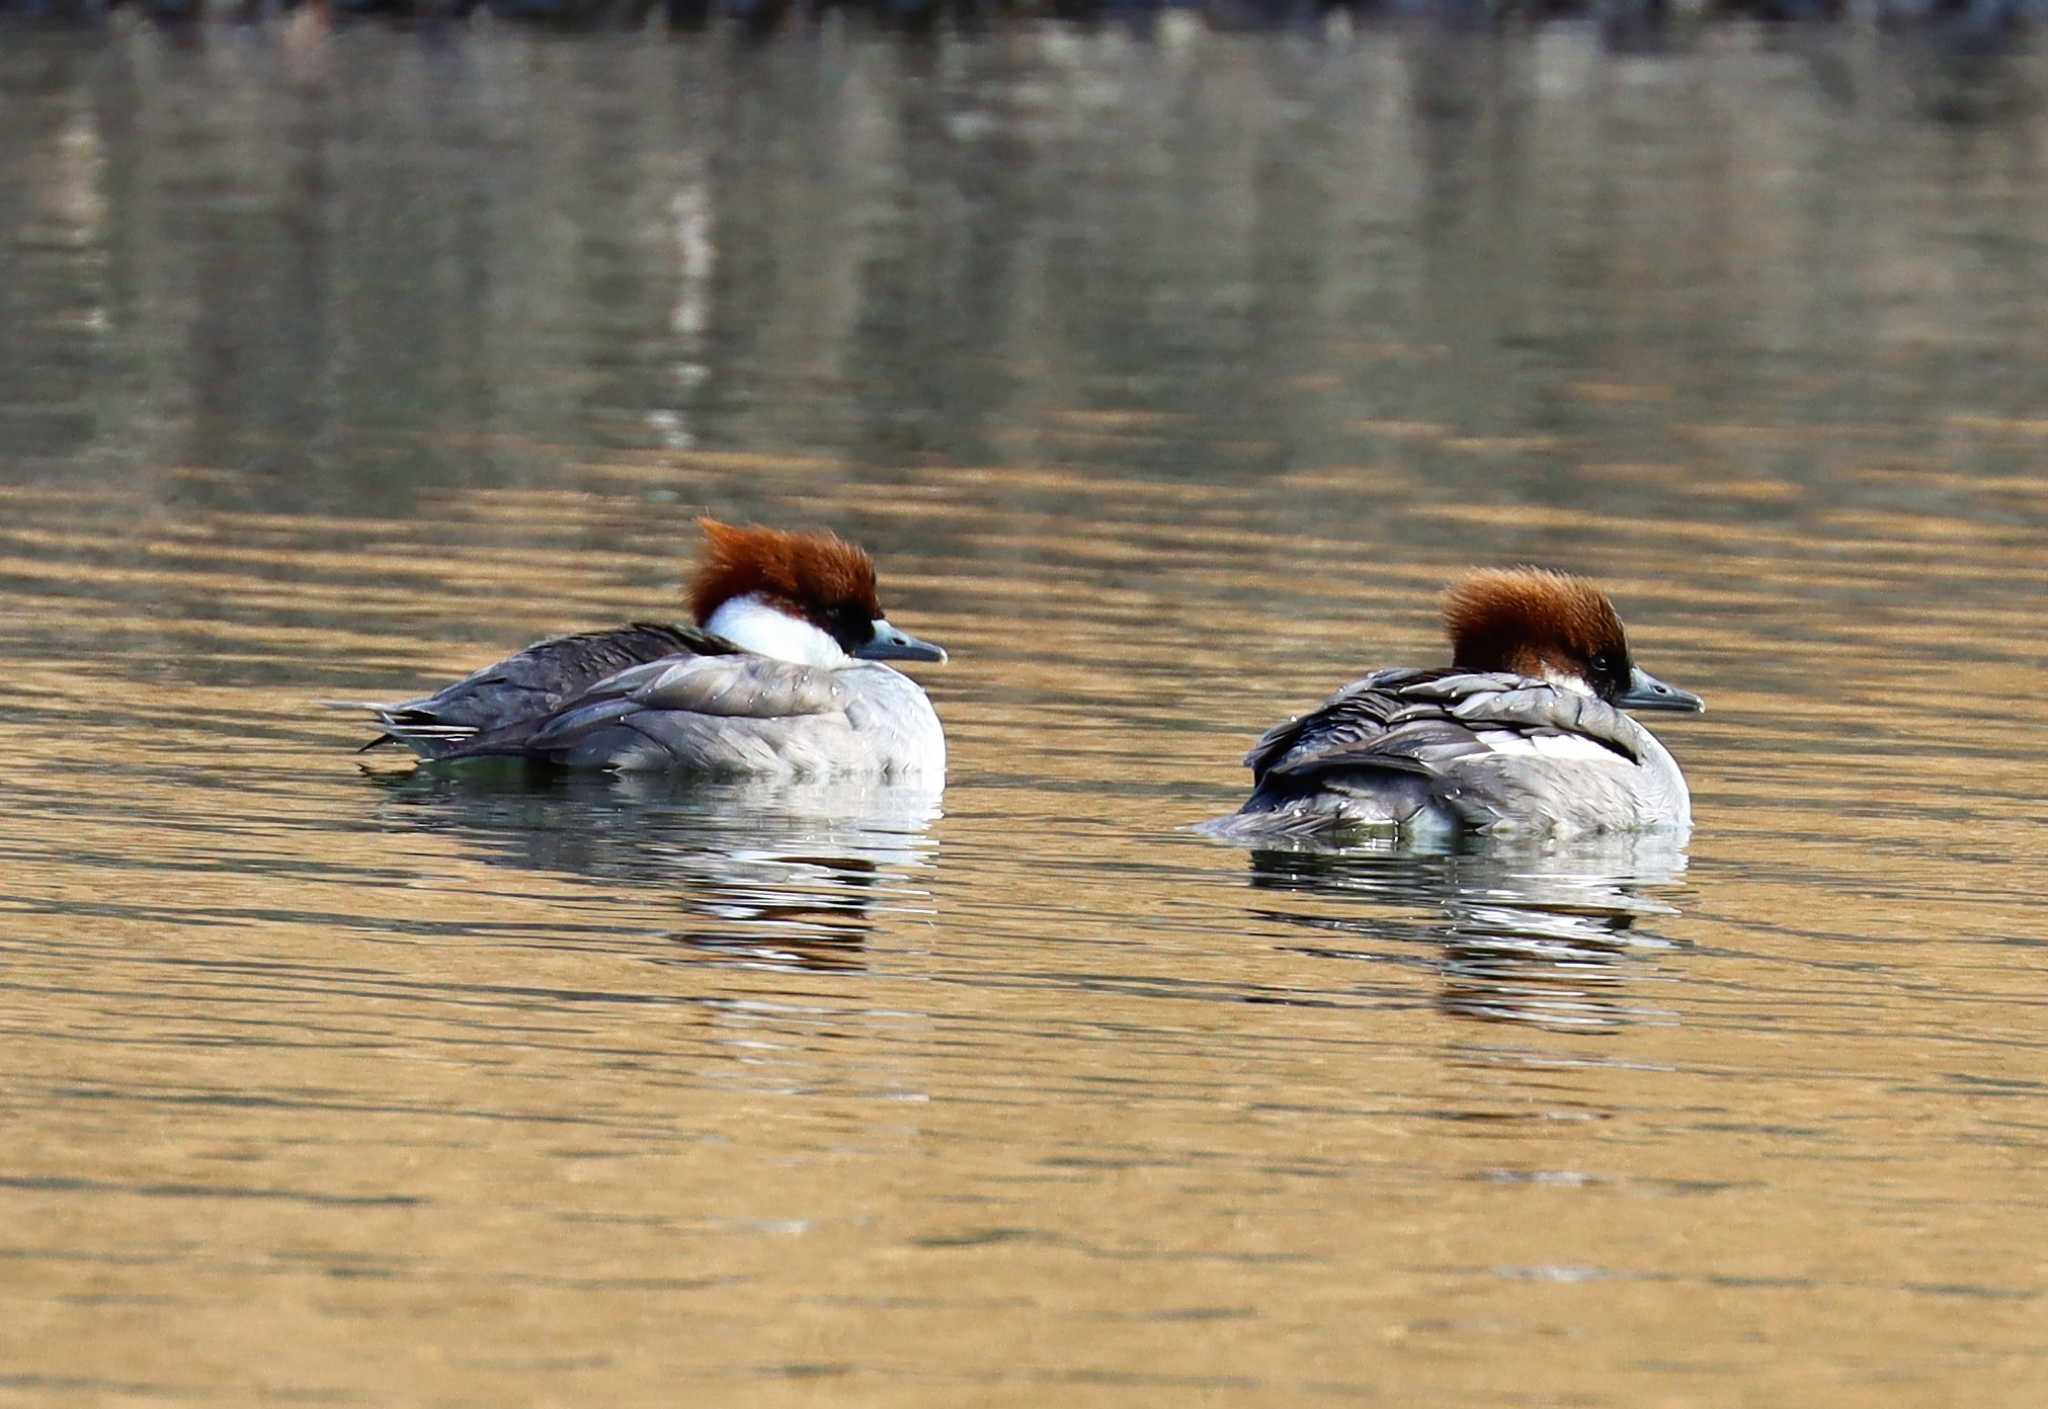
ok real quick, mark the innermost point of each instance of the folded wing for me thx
(532, 684)
(725, 714)
(1399, 742)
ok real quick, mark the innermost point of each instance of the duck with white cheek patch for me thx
(1524, 731)
(782, 677)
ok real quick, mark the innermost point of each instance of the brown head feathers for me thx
(1525, 620)
(818, 576)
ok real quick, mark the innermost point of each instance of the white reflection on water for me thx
(772, 874)
(1550, 932)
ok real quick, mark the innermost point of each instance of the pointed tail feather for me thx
(422, 733)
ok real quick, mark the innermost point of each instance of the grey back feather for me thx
(732, 715)
(534, 683)
(1402, 741)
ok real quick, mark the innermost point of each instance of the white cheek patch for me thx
(1567, 680)
(753, 625)
(1558, 748)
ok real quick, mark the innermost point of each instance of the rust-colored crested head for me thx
(1530, 620)
(817, 576)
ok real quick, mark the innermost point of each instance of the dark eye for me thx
(852, 624)
(1603, 664)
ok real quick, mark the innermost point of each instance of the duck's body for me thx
(779, 680)
(1525, 731)
(731, 715)
(532, 684)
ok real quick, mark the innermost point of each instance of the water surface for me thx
(1168, 378)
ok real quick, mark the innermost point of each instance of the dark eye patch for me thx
(1610, 671)
(849, 625)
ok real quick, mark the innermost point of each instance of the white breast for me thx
(894, 721)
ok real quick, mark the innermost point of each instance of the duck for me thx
(782, 675)
(1526, 731)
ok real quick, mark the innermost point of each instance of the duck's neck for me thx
(753, 625)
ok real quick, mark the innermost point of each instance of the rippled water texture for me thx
(1168, 377)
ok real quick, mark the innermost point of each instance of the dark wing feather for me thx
(698, 708)
(1416, 720)
(1357, 717)
(536, 682)
(1402, 740)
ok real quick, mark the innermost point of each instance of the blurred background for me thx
(1169, 361)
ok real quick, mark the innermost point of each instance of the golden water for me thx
(1167, 381)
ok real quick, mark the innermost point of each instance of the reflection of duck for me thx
(781, 678)
(1524, 731)
(1532, 932)
(786, 874)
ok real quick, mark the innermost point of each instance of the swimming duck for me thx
(781, 676)
(1524, 731)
